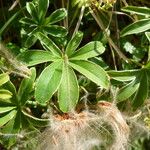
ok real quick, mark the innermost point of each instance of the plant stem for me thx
(34, 103)
(149, 53)
(74, 16)
(101, 25)
(79, 21)
(15, 3)
(65, 21)
(2, 8)
(113, 57)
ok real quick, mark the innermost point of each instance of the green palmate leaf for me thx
(32, 10)
(137, 10)
(91, 49)
(56, 16)
(6, 117)
(124, 75)
(68, 92)
(42, 8)
(136, 27)
(35, 57)
(74, 43)
(30, 41)
(36, 121)
(5, 109)
(27, 21)
(26, 87)
(56, 31)
(92, 71)
(4, 77)
(5, 94)
(142, 92)
(128, 90)
(49, 44)
(48, 82)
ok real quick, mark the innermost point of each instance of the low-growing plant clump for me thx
(74, 75)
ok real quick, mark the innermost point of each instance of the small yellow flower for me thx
(97, 3)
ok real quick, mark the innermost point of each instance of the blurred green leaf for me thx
(9, 129)
(142, 92)
(27, 21)
(26, 87)
(32, 10)
(147, 65)
(139, 86)
(128, 90)
(136, 27)
(4, 77)
(124, 75)
(31, 39)
(6, 109)
(5, 94)
(42, 8)
(145, 11)
(10, 86)
(148, 35)
(6, 117)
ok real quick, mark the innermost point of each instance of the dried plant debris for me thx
(96, 127)
(139, 124)
(100, 128)
(11, 64)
